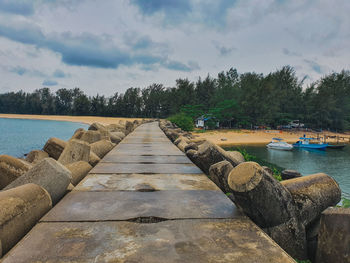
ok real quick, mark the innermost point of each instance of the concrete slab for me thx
(121, 168)
(148, 151)
(144, 182)
(165, 146)
(237, 240)
(125, 205)
(145, 140)
(115, 157)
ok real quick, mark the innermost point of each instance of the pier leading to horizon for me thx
(146, 202)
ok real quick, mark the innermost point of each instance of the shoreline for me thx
(232, 138)
(78, 119)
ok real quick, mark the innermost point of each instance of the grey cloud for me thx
(59, 74)
(211, 13)
(223, 50)
(86, 49)
(170, 7)
(175, 65)
(49, 82)
(20, 70)
(315, 66)
(288, 52)
(20, 7)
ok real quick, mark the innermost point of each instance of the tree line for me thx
(246, 100)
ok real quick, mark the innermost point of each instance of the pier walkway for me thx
(146, 202)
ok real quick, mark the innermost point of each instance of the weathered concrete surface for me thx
(224, 241)
(169, 159)
(144, 182)
(105, 168)
(20, 209)
(50, 175)
(129, 150)
(334, 236)
(75, 151)
(126, 205)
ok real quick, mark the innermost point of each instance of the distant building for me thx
(202, 121)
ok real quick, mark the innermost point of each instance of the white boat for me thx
(278, 144)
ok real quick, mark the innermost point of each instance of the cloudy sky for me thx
(108, 46)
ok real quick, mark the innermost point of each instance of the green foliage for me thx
(182, 121)
(225, 110)
(249, 99)
(303, 261)
(193, 111)
(345, 203)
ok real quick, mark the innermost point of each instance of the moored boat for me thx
(305, 143)
(278, 144)
(336, 146)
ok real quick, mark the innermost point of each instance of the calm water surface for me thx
(335, 163)
(18, 136)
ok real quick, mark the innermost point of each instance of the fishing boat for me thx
(336, 146)
(304, 142)
(278, 144)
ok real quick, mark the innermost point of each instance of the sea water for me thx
(335, 163)
(20, 136)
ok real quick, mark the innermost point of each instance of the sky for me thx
(108, 46)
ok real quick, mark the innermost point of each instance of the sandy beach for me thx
(82, 119)
(220, 137)
(259, 137)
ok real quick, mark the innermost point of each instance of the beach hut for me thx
(202, 121)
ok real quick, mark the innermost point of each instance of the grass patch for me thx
(276, 170)
(345, 203)
(199, 131)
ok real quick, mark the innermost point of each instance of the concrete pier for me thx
(146, 202)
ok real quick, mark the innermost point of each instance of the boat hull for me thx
(336, 146)
(311, 146)
(281, 148)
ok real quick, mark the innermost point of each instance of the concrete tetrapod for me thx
(93, 158)
(54, 147)
(36, 156)
(78, 171)
(90, 136)
(20, 209)
(49, 174)
(270, 205)
(76, 150)
(209, 154)
(313, 194)
(10, 169)
(219, 173)
(334, 236)
(101, 148)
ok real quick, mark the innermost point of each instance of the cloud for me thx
(59, 74)
(20, 7)
(49, 82)
(214, 13)
(288, 52)
(21, 71)
(175, 65)
(170, 7)
(223, 50)
(87, 49)
(208, 12)
(315, 66)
